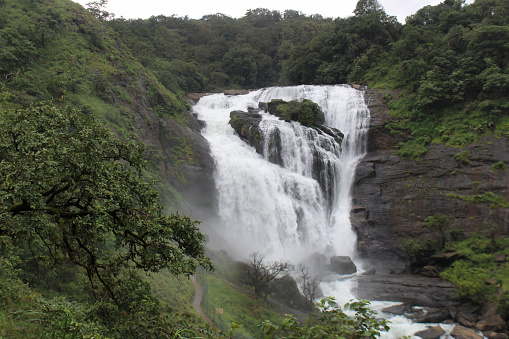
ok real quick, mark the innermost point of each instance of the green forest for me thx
(93, 148)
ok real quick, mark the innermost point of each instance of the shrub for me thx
(499, 166)
(306, 111)
(330, 322)
(463, 157)
(469, 280)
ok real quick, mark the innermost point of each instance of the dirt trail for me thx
(198, 293)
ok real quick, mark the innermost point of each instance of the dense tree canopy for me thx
(72, 191)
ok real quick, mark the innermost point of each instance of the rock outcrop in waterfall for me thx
(268, 140)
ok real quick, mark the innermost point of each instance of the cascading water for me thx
(278, 203)
(281, 210)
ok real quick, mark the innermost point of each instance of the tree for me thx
(309, 284)
(16, 52)
(70, 191)
(259, 274)
(365, 7)
(96, 8)
(439, 223)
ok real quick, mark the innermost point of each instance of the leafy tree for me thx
(365, 7)
(70, 191)
(330, 322)
(16, 52)
(439, 223)
(96, 8)
(259, 274)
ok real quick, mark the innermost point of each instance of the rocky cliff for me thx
(392, 196)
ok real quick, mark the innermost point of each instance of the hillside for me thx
(67, 82)
(57, 50)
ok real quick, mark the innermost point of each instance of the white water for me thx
(281, 211)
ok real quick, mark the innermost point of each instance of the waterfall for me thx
(277, 202)
(281, 207)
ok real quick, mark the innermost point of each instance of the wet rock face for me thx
(246, 124)
(461, 332)
(431, 333)
(342, 265)
(269, 143)
(410, 289)
(394, 195)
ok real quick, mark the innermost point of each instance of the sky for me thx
(195, 9)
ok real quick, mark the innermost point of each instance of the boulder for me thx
(465, 322)
(317, 262)
(236, 92)
(492, 323)
(433, 316)
(467, 315)
(431, 333)
(399, 309)
(287, 292)
(489, 309)
(461, 332)
(271, 107)
(247, 127)
(342, 265)
(330, 131)
(495, 335)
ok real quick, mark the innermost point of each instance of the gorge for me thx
(271, 199)
(414, 189)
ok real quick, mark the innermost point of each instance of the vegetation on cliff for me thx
(449, 59)
(78, 221)
(304, 111)
(77, 218)
(56, 50)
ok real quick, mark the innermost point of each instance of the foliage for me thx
(494, 200)
(73, 192)
(440, 233)
(468, 279)
(499, 166)
(463, 157)
(16, 51)
(304, 111)
(449, 63)
(416, 249)
(330, 322)
(470, 274)
(96, 8)
(439, 223)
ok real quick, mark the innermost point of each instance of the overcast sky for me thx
(195, 9)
